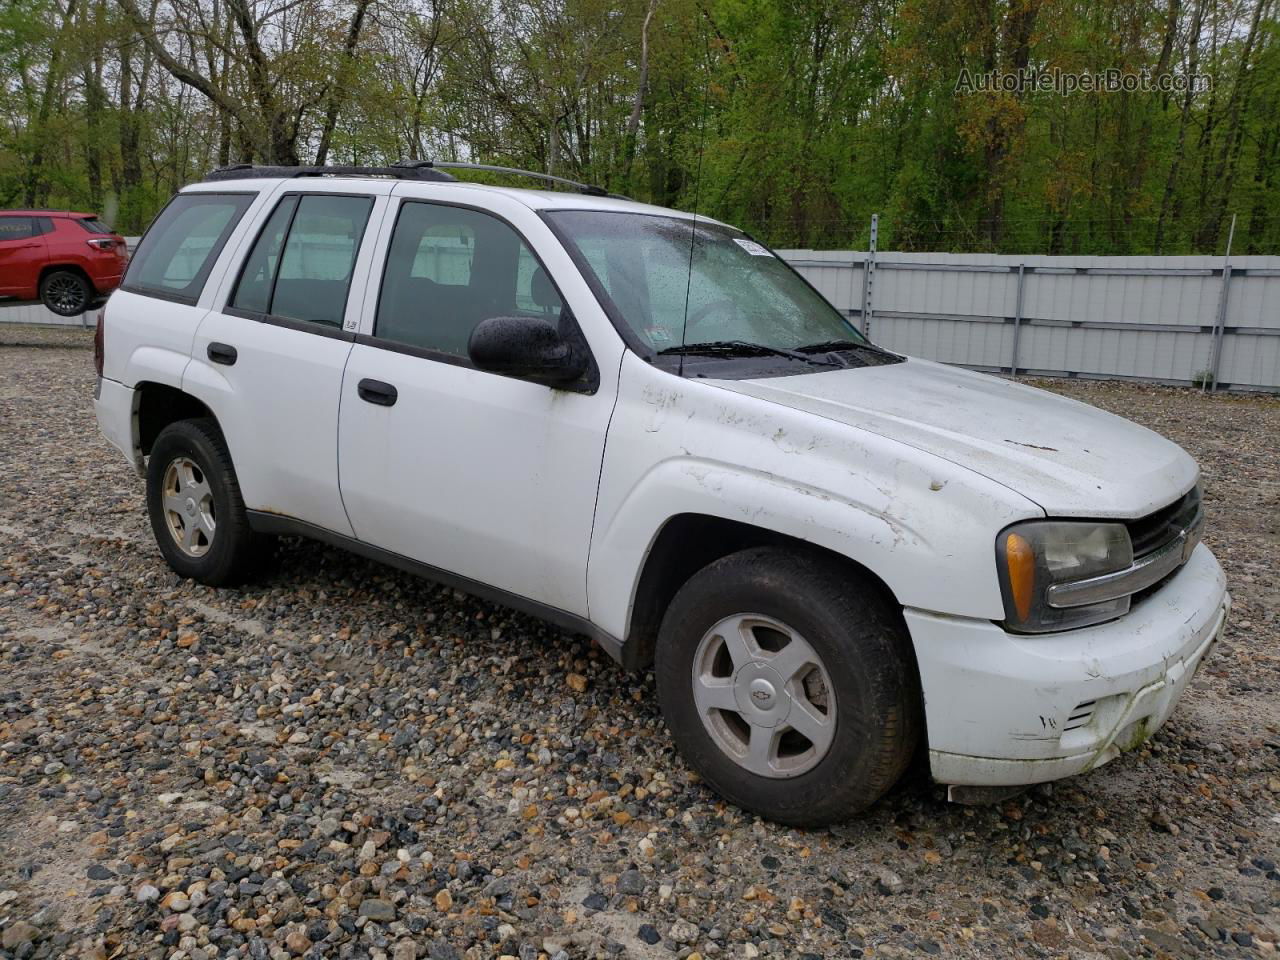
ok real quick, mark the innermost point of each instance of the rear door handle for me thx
(375, 391)
(222, 353)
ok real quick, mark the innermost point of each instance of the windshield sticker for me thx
(752, 248)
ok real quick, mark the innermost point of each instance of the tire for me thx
(861, 683)
(66, 293)
(190, 469)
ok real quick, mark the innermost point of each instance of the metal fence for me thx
(35, 313)
(1177, 320)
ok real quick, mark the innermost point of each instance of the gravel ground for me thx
(344, 761)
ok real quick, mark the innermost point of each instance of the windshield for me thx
(738, 292)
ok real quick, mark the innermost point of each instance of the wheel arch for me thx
(689, 542)
(70, 267)
(157, 405)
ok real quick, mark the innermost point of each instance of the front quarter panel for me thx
(924, 525)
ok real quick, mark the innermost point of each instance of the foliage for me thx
(795, 119)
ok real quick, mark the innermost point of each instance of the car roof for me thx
(48, 213)
(534, 199)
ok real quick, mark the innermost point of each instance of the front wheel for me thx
(197, 514)
(789, 684)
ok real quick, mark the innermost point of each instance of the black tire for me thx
(66, 293)
(234, 553)
(864, 647)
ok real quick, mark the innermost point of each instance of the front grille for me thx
(1155, 530)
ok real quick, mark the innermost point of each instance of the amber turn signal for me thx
(1022, 572)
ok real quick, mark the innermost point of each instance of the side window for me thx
(17, 228)
(449, 268)
(180, 248)
(253, 292)
(444, 255)
(300, 267)
(92, 225)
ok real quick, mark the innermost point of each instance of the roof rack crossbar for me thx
(248, 171)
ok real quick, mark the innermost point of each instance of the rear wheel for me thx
(789, 684)
(66, 293)
(197, 514)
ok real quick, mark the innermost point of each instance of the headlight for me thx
(1034, 556)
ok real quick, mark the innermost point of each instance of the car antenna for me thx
(697, 190)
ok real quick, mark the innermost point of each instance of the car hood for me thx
(1068, 457)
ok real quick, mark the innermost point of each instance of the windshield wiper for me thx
(871, 354)
(741, 348)
(831, 346)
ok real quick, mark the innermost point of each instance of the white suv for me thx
(644, 426)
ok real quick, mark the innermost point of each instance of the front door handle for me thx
(222, 353)
(375, 391)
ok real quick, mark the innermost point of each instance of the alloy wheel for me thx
(65, 293)
(188, 506)
(764, 696)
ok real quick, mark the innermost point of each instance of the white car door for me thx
(269, 359)
(487, 477)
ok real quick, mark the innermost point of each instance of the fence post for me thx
(868, 276)
(1220, 323)
(1017, 320)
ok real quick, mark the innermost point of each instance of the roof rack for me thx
(432, 170)
(589, 189)
(400, 171)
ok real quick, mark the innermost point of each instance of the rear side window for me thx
(300, 267)
(93, 225)
(177, 253)
(17, 228)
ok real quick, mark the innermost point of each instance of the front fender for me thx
(925, 526)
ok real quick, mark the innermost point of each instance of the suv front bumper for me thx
(1005, 709)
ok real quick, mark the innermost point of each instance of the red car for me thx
(67, 260)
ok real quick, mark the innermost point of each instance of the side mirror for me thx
(526, 347)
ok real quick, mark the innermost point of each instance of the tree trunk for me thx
(637, 103)
(94, 106)
(1237, 111)
(1261, 228)
(338, 91)
(37, 186)
(1016, 41)
(1179, 153)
